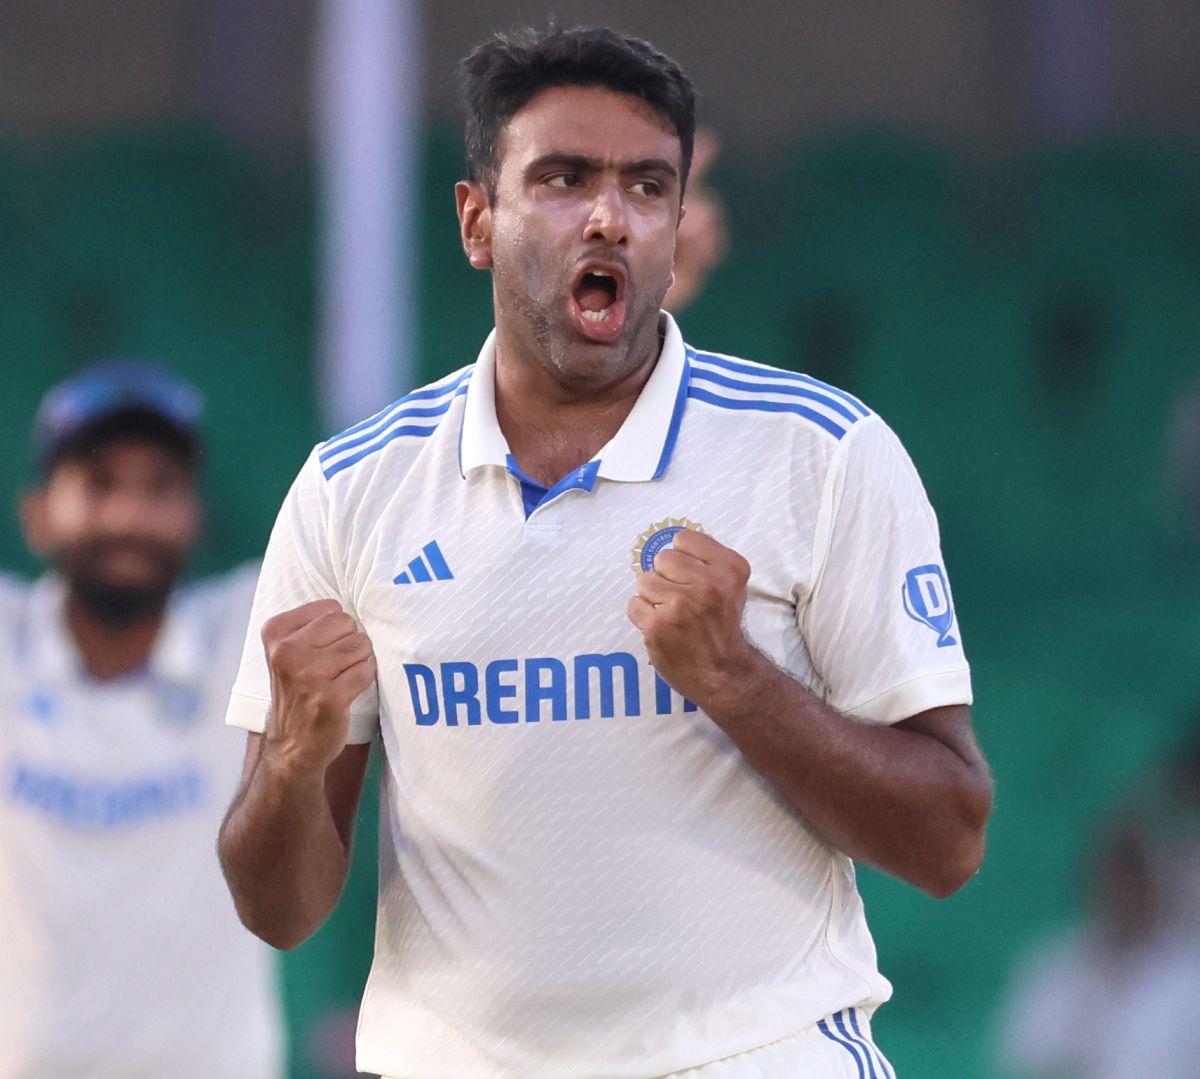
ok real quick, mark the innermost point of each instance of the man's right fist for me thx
(319, 663)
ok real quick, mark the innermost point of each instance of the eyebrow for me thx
(581, 163)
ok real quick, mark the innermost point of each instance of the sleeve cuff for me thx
(915, 696)
(250, 713)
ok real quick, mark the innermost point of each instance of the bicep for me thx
(344, 780)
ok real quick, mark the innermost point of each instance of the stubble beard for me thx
(577, 363)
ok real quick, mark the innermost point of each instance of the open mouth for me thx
(595, 294)
(599, 301)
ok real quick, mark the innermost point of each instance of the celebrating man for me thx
(656, 642)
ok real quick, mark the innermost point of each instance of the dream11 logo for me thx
(927, 600)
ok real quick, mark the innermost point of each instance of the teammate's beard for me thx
(118, 605)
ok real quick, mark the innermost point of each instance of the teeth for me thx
(596, 316)
(599, 273)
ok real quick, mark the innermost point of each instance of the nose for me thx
(608, 221)
(122, 514)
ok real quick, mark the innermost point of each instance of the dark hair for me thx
(504, 74)
(126, 425)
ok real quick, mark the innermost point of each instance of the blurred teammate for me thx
(701, 239)
(122, 955)
(617, 832)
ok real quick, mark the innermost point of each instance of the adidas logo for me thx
(428, 568)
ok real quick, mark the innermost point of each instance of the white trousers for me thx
(837, 1047)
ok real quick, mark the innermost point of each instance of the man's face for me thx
(582, 229)
(117, 524)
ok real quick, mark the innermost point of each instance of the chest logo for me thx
(429, 565)
(658, 537)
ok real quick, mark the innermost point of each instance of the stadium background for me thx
(981, 217)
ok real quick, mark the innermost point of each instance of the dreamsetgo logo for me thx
(537, 689)
(926, 599)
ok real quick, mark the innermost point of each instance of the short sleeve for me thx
(880, 624)
(300, 566)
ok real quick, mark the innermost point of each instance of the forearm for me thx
(283, 857)
(893, 798)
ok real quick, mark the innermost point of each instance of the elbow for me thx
(953, 870)
(282, 942)
(269, 928)
(959, 859)
(283, 938)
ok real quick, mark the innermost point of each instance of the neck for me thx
(109, 652)
(553, 423)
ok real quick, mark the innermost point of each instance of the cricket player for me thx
(657, 642)
(122, 955)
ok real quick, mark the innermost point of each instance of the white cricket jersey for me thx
(122, 956)
(580, 875)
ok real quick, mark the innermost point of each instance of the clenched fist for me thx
(689, 610)
(319, 662)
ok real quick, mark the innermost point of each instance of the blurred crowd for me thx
(1117, 996)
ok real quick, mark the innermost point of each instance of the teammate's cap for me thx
(106, 389)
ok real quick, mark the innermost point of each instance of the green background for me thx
(1026, 326)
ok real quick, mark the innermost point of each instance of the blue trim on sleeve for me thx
(739, 404)
(762, 371)
(791, 389)
(392, 433)
(402, 414)
(436, 390)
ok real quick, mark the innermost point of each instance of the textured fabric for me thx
(579, 873)
(123, 957)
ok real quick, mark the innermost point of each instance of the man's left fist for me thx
(689, 610)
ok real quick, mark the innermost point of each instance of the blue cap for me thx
(105, 389)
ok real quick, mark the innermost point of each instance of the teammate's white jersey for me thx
(580, 874)
(122, 956)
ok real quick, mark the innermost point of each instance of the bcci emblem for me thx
(927, 600)
(658, 537)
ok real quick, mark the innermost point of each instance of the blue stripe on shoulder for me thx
(438, 389)
(389, 434)
(393, 418)
(741, 403)
(756, 370)
(789, 389)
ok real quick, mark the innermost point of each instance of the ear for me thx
(31, 509)
(475, 222)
